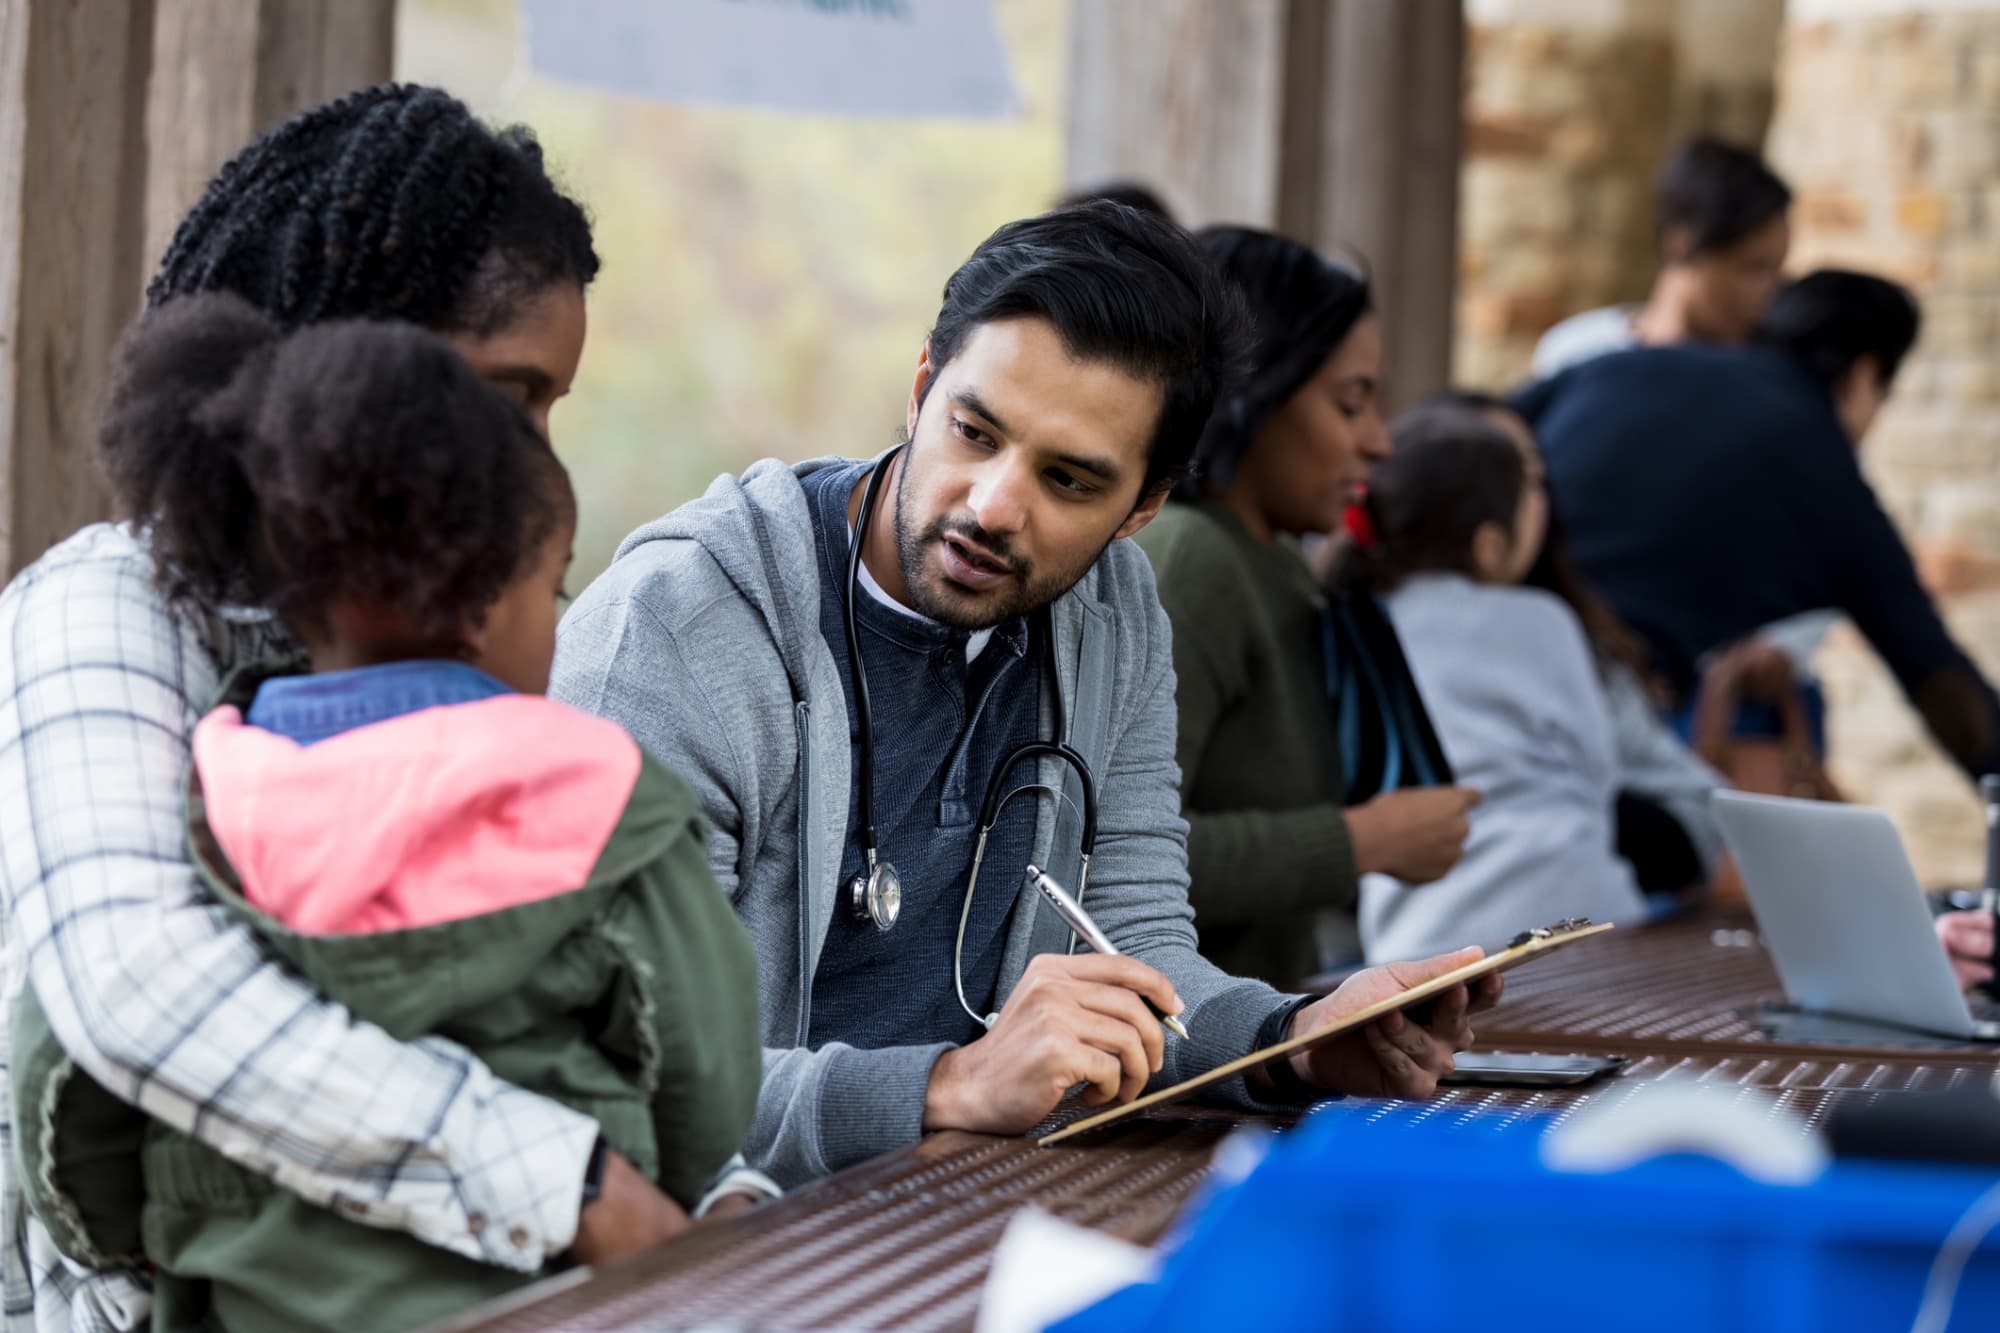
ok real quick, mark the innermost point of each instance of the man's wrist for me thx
(1286, 1085)
(941, 1099)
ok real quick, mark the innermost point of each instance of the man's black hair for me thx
(394, 202)
(1830, 319)
(1120, 286)
(1718, 194)
(1129, 193)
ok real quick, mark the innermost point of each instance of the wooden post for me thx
(1389, 134)
(1185, 95)
(226, 70)
(112, 119)
(1333, 121)
(72, 171)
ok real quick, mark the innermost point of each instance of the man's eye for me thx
(1073, 484)
(972, 433)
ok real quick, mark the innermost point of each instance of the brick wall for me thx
(1888, 125)
(1570, 107)
(1564, 128)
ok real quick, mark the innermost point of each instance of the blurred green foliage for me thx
(768, 277)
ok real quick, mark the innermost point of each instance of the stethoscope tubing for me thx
(996, 795)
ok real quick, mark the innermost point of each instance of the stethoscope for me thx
(876, 894)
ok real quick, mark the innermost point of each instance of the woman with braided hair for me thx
(392, 202)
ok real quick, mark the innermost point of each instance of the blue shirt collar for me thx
(313, 708)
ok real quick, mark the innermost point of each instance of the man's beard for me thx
(931, 594)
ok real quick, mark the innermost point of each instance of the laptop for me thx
(1843, 915)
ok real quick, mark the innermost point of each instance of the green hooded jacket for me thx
(631, 997)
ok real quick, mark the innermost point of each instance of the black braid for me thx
(393, 201)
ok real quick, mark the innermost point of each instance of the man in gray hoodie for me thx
(1071, 369)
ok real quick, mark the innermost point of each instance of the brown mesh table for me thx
(1688, 984)
(904, 1242)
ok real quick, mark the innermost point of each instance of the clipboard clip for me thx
(1569, 925)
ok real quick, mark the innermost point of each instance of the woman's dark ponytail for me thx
(1451, 470)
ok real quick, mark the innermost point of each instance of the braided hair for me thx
(394, 202)
(353, 460)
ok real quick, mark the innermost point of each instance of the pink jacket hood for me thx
(444, 813)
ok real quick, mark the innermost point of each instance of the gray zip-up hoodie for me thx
(703, 640)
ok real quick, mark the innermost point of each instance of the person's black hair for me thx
(1302, 307)
(394, 202)
(1452, 470)
(352, 460)
(1830, 319)
(1717, 193)
(1553, 571)
(1129, 193)
(1120, 286)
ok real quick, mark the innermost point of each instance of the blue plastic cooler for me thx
(1386, 1221)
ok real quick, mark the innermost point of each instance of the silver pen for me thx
(1071, 911)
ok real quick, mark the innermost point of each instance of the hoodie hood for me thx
(756, 529)
(434, 816)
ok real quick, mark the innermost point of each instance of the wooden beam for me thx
(73, 79)
(226, 70)
(1185, 95)
(1392, 107)
(1335, 122)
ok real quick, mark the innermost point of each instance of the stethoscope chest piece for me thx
(876, 894)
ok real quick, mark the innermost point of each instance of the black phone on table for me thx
(1516, 1069)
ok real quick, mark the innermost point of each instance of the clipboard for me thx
(1528, 944)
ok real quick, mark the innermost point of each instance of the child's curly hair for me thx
(357, 460)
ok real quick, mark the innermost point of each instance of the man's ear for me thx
(1676, 245)
(917, 387)
(1147, 510)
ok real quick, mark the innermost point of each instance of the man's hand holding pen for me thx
(1070, 1020)
(1097, 1020)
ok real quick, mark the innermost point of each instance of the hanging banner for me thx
(840, 57)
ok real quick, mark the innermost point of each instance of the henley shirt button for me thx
(519, 1236)
(476, 1223)
(355, 1206)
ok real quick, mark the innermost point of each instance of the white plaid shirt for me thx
(160, 998)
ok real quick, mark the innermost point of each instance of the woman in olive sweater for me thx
(1292, 790)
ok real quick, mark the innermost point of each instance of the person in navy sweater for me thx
(1709, 491)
